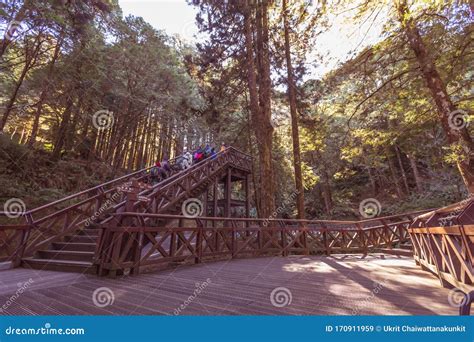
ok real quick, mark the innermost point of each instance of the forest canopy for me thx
(82, 84)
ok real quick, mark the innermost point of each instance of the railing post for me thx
(465, 309)
(138, 252)
(228, 193)
(117, 238)
(324, 232)
(465, 248)
(25, 236)
(132, 196)
(304, 237)
(99, 200)
(172, 244)
(198, 247)
(435, 256)
(234, 242)
(284, 241)
(105, 250)
(178, 240)
(387, 233)
(214, 202)
(362, 239)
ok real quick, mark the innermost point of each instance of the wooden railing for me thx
(49, 223)
(443, 243)
(135, 245)
(447, 252)
(169, 193)
(13, 241)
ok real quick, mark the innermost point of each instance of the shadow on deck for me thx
(377, 284)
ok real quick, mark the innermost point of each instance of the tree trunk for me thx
(70, 136)
(13, 27)
(446, 108)
(13, 97)
(402, 170)
(416, 173)
(263, 127)
(393, 172)
(29, 62)
(44, 91)
(294, 118)
(327, 194)
(63, 129)
(373, 182)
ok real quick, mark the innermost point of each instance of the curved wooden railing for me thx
(443, 243)
(134, 245)
(41, 226)
(447, 252)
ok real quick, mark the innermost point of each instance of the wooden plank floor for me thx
(338, 285)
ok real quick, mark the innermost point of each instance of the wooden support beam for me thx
(247, 197)
(228, 193)
(206, 205)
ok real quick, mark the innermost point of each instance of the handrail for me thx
(86, 191)
(148, 246)
(245, 219)
(117, 180)
(438, 249)
(180, 175)
(447, 209)
(72, 215)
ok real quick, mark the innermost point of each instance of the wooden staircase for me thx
(74, 254)
(75, 251)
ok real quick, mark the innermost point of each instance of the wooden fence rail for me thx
(13, 241)
(51, 222)
(447, 252)
(133, 246)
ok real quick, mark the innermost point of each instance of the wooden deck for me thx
(338, 285)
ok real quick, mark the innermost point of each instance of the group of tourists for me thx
(159, 171)
(162, 169)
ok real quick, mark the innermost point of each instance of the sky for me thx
(336, 45)
(173, 16)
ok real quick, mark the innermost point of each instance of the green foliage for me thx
(369, 128)
(32, 176)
